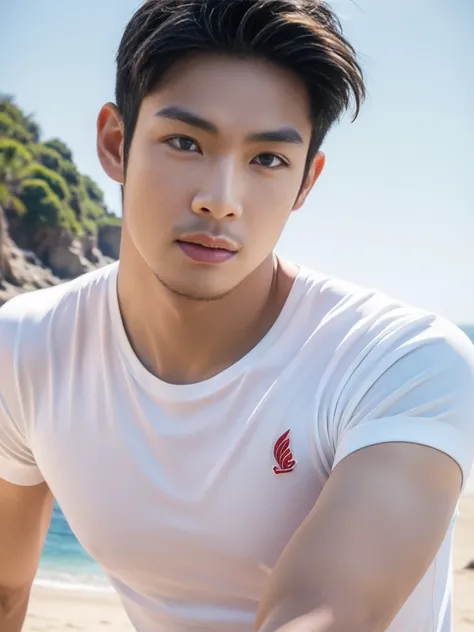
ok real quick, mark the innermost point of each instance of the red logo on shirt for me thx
(283, 455)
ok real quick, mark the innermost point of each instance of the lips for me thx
(209, 241)
(207, 249)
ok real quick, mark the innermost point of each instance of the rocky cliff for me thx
(54, 223)
(21, 270)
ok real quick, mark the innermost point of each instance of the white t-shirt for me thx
(187, 495)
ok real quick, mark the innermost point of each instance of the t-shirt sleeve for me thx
(415, 387)
(17, 464)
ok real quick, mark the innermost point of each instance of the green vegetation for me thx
(39, 182)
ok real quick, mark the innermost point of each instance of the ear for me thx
(110, 142)
(313, 174)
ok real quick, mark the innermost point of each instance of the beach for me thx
(463, 618)
(55, 610)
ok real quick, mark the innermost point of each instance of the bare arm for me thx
(25, 514)
(369, 540)
(404, 441)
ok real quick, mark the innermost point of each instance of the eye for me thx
(271, 161)
(183, 143)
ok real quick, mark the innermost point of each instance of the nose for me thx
(219, 196)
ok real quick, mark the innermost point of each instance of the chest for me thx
(156, 491)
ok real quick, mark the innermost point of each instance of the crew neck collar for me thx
(205, 388)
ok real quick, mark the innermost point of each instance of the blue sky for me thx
(395, 207)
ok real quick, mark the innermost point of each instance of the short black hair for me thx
(303, 36)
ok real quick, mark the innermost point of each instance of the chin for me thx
(195, 292)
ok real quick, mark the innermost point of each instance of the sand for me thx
(463, 618)
(58, 611)
(52, 610)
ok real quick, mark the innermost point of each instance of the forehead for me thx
(244, 93)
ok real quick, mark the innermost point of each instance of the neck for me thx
(183, 341)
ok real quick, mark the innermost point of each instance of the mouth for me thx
(207, 249)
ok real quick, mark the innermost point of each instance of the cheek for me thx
(264, 225)
(154, 189)
(148, 171)
(271, 203)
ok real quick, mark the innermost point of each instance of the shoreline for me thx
(92, 585)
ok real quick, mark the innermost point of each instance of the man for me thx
(241, 443)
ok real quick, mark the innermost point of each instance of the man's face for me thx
(189, 183)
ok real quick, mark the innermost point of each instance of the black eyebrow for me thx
(284, 135)
(179, 114)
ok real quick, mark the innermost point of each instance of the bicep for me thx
(25, 513)
(374, 530)
(384, 514)
(403, 446)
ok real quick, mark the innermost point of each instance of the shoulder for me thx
(398, 374)
(373, 325)
(29, 322)
(384, 357)
(38, 305)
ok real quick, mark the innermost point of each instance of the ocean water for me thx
(65, 564)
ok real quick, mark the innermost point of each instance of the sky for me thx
(394, 208)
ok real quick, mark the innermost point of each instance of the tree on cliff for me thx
(40, 185)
